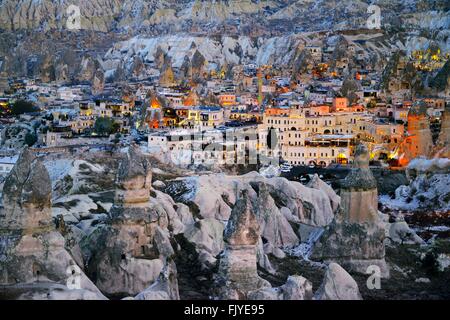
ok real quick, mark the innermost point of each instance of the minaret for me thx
(260, 95)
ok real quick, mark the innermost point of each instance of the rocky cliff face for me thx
(115, 57)
(107, 15)
(226, 32)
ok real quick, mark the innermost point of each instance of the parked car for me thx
(285, 167)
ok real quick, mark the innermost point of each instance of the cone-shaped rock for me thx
(238, 274)
(443, 143)
(134, 178)
(242, 227)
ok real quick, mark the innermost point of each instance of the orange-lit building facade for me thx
(227, 99)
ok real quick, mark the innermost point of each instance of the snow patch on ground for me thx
(429, 165)
(78, 205)
(58, 169)
(399, 203)
(270, 171)
(186, 188)
(425, 192)
(444, 261)
(304, 249)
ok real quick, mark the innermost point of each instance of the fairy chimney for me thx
(359, 195)
(238, 274)
(134, 177)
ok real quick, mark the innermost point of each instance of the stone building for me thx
(314, 135)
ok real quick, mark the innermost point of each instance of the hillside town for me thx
(178, 151)
(317, 114)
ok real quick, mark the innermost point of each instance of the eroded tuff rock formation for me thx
(238, 278)
(427, 188)
(225, 32)
(27, 195)
(177, 238)
(133, 181)
(215, 194)
(34, 263)
(98, 82)
(355, 238)
(207, 237)
(282, 207)
(419, 140)
(238, 265)
(250, 219)
(275, 228)
(319, 184)
(167, 76)
(130, 252)
(171, 15)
